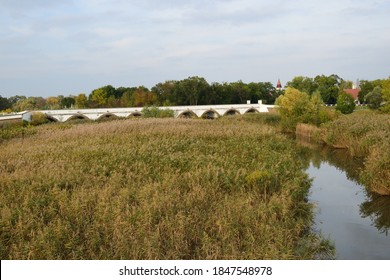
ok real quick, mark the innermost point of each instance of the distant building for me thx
(279, 85)
(354, 91)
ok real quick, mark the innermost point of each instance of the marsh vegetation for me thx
(155, 189)
(366, 135)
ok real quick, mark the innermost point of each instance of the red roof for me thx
(353, 92)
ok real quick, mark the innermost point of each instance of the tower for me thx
(356, 85)
(279, 85)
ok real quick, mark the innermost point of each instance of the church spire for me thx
(279, 85)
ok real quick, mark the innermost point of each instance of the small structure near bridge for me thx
(16, 118)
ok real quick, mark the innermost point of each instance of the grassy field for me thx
(155, 189)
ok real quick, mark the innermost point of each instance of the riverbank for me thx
(366, 135)
(346, 212)
(155, 189)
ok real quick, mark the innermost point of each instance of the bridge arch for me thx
(188, 114)
(252, 111)
(77, 117)
(107, 116)
(135, 114)
(51, 118)
(232, 112)
(210, 114)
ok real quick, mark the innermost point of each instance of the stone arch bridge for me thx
(201, 111)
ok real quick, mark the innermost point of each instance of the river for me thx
(356, 221)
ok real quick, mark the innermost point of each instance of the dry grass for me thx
(309, 132)
(154, 189)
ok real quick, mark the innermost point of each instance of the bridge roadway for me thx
(202, 111)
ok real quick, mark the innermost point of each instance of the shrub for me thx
(345, 103)
(38, 119)
(155, 112)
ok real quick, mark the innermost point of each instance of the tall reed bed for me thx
(154, 189)
(9, 131)
(365, 134)
(309, 132)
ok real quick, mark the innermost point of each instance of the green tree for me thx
(366, 87)
(165, 93)
(374, 98)
(345, 103)
(344, 84)
(101, 97)
(262, 91)
(304, 84)
(386, 95)
(81, 101)
(127, 96)
(4, 103)
(222, 93)
(14, 99)
(191, 91)
(29, 104)
(241, 92)
(328, 86)
(67, 102)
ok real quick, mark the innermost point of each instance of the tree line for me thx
(190, 91)
(197, 91)
(331, 86)
(331, 89)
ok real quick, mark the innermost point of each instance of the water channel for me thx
(357, 222)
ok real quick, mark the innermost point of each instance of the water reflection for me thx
(377, 208)
(357, 221)
(339, 158)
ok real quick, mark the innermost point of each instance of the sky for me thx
(67, 47)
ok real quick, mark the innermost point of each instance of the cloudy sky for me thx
(52, 47)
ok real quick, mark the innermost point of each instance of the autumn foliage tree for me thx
(143, 97)
(298, 107)
(294, 108)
